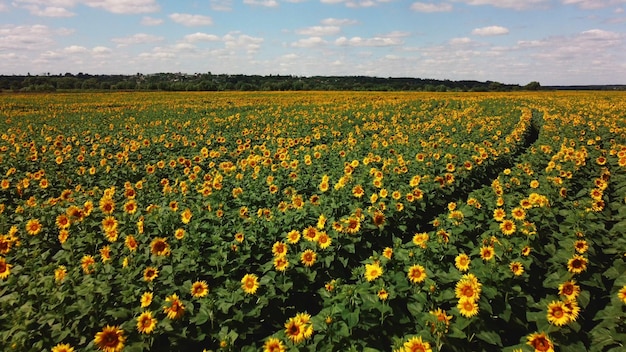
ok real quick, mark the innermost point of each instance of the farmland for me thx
(313, 221)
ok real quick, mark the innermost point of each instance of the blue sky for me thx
(555, 42)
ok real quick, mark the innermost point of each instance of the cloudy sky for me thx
(510, 41)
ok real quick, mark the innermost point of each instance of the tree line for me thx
(239, 82)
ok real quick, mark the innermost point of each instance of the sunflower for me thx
(310, 234)
(179, 234)
(621, 294)
(107, 205)
(63, 236)
(273, 345)
(378, 218)
(420, 239)
(358, 191)
(372, 271)
(581, 246)
(33, 227)
(150, 273)
(186, 215)
(540, 342)
(131, 243)
(383, 294)
(60, 273)
(388, 252)
(557, 313)
(487, 252)
(279, 249)
(62, 221)
(105, 254)
(468, 287)
(294, 330)
(199, 289)
(577, 264)
(526, 251)
(175, 309)
(159, 247)
(416, 274)
(250, 283)
(323, 239)
(415, 344)
(467, 307)
(87, 262)
(281, 263)
(5, 269)
(239, 237)
(112, 235)
(308, 257)
(462, 262)
(499, 214)
(517, 268)
(569, 289)
(293, 236)
(62, 347)
(146, 299)
(518, 213)
(353, 225)
(110, 339)
(146, 323)
(507, 227)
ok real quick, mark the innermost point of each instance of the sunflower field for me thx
(313, 221)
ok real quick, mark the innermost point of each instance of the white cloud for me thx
(123, 6)
(139, 38)
(191, 20)
(490, 31)
(338, 22)
(59, 8)
(34, 37)
(460, 41)
(429, 7)
(355, 3)
(221, 5)
(593, 4)
(48, 11)
(319, 31)
(101, 50)
(309, 42)
(242, 41)
(510, 4)
(264, 3)
(365, 42)
(76, 49)
(151, 21)
(201, 37)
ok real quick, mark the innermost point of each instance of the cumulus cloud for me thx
(201, 37)
(150, 21)
(123, 6)
(264, 3)
(490, 31)
(355, 3)
(319, 31)
(245, 42)
(221, 5)
(33, 37)
(191, 20)
(135, 39)
(309, 42)
(378, 41)
(510, 4)
(338, 22)
(429, 7)
(593, 4)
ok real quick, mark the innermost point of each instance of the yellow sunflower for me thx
(416, 274)
(372, 271)
(250, 283)
(110, 339)
(199, 289)
(146, 323)
(540, 342)
(175, 309)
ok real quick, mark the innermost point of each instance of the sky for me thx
(554, 42)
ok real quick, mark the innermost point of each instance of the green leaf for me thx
(490, 337)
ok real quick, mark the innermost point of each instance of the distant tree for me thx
(534, 85)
